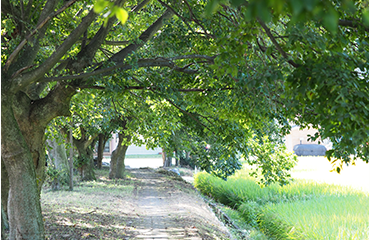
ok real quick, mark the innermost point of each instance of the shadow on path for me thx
(171, 209)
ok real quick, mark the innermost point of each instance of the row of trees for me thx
(223, 72)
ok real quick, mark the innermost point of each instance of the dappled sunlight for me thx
(169, 233)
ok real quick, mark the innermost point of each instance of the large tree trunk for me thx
(4, 197)
(33, 131)
(117, 162)
(23, 123)
(24, 209)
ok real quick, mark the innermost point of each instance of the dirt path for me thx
(145, 205)
(171, 209)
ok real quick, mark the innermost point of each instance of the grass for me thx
(238, 219)
(303, 209)
(93, 210)
(327, 217)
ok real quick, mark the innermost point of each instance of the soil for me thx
(149, 204)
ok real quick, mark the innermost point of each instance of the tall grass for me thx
(328, 217)
(240, 188)
(301, 210)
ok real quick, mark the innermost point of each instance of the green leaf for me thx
(122, 15)
(100, 5)
(211, 7)
(365, 17)
(330, 20)
(297, 6)
(237, 3)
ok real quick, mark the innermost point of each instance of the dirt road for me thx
(145, 205)
(171, 209)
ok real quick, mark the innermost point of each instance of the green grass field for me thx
(304, 209)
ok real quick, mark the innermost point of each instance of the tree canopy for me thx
(232, 72)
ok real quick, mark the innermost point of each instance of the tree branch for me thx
(158, 62)
(56, 103)
(144, 37)
(177, 14)
(189, 114)
(24, 80)
(140, 6)
(277, 45)
(13, 55)
(87, 53)
(194, 19)
(352, 23)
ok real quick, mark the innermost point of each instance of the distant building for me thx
(298, 136)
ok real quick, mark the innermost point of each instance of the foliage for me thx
(250, 77)
(273, 160)
(120, 13)
(54, 174)
(81, 161)
(215, 159)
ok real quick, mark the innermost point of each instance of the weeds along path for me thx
(171, 209)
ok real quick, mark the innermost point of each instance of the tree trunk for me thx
(33, 132)
(167, 159)
(4, 223)
(177, 158)
(84, 152)
(85, 146)
(58, 156)
(102, 141)
(163, 157)
(117, 163)
(4, 197)
(71, 159)
(24, 209)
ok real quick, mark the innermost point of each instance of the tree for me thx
(103, 138)
(266, 61)
(58, 168)
(117, 163)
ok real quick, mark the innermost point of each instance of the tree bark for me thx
(101, 144)
(24, 209)
(58, 156)
(117, 164)
(4, 197)
(84, 151)
(167, 159)
(163, 157)
(71, 159)
(4, 222)
(177, 158)
(4, 193)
